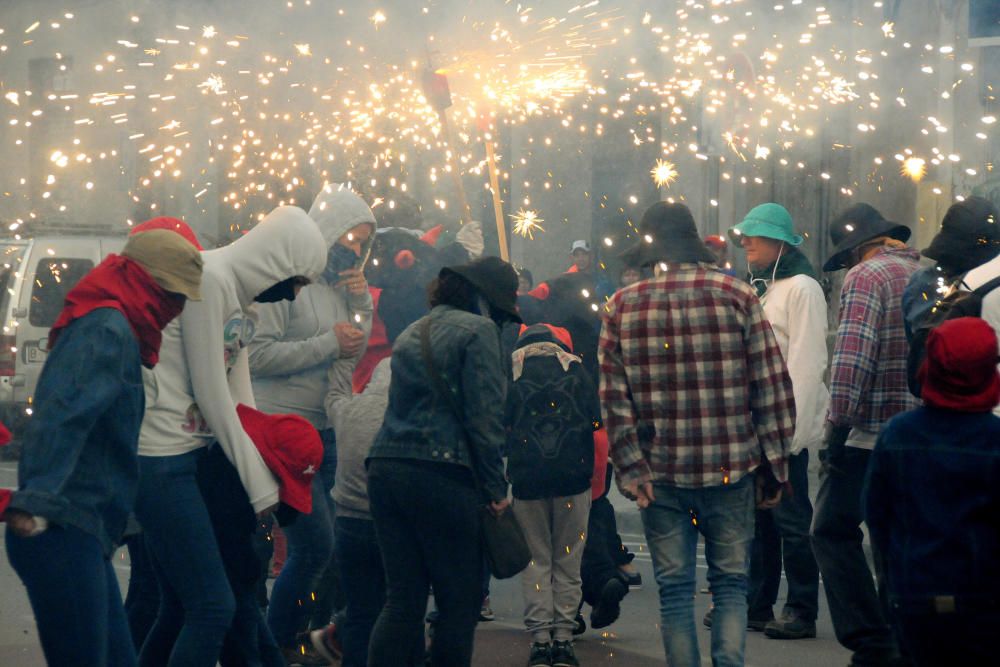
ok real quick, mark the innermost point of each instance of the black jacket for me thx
(552, 414)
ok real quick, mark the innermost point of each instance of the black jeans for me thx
(428, 528)
(782, 536)
(363, 584)
(142, 602)
(599, 563)
(859, 615)
(943, 640)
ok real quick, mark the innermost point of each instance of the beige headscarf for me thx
(169, 258)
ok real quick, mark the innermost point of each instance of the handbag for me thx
(506, 550)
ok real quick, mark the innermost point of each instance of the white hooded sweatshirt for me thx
(990, 312)
(796, 309)
(191, 394)
(295, 344)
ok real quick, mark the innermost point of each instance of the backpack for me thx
(958, 303)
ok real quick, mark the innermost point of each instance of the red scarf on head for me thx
(121, 283)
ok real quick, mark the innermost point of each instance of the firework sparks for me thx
(914, 167)
(664, 173)
(526, 223)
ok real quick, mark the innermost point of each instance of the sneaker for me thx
(790, 626)
(326, 643)
(753, 623)
(486, 612)
(631, 576)
(541, 655)
(608, 608)
(563, 655)
(581, 625)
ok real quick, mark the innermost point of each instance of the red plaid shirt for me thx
(693, 385)
(868, 373)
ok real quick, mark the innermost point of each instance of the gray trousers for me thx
(556, 531)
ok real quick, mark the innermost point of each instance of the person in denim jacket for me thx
(78, 473)
(931, 497)
(421, 486)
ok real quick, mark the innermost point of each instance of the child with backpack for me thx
(552, 413)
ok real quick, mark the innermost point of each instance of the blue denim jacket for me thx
(931, 500)
(79, 463)
(421, 425)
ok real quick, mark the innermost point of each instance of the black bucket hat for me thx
(969, 236)
(667, 233)
(855, 226)
(494, 278)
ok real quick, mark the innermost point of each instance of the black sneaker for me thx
(581, 625)
(609, 606)
(790, 626)
(631, 577)
(563, 655)
(541, 655)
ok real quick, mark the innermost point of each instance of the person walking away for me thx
(930, 499)
(552, 413)
(795, 307)
(295, 344)
(77, 474)
(421, 487)
(868, 387)
(700, 415)
(357, 419)
(191, 406)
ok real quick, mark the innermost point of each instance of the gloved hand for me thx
(834, 449)
(768, 490)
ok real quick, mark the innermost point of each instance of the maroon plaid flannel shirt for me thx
(693, 385)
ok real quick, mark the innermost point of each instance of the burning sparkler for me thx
(664, 173)
(526, 223)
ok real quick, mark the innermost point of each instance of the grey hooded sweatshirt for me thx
(191, 394)
(295, 344)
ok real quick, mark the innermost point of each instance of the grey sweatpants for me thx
(556, 531)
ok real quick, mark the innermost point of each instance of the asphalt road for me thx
(634, 640)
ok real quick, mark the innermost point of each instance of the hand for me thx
(767, 497)
(354, 280)
(498, 507)
(350, 339)
(22, 523)
(641, 493)
(267, 511)
(834, 449)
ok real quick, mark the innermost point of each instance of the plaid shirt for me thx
(693, 385)
(868, 374)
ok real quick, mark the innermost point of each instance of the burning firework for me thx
(526, 223)
(914, 167)
(664, 173)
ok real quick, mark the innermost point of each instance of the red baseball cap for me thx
(715, 241)
(171, 224)
(960, 371)
(562, 335)
(291, 448)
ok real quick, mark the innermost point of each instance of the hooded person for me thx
(930, 497)
(795, 306)
(295, 344)
(77, 474)
(552, 413)
(191, 402)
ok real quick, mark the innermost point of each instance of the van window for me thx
(53, 279)
(11, 257)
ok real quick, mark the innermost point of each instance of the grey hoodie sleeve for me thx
(202, 327)
(270, 354)
(339, 382)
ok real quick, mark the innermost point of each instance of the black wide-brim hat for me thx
(856, 226)
(667, 233)
(494, 278)
(969, 235)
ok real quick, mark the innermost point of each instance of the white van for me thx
(35, 275)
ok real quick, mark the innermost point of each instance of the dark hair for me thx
(451, 289)
(526, 274)
(400, 307)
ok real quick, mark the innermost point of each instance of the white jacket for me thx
(295, 343)
(191, 394)
(977, 277)
(796, 309)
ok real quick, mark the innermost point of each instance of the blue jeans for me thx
(363, 580)
(74, 594)
(310, 547)
(196, 601)
(724, 515)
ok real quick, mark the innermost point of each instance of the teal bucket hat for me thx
(771, 221)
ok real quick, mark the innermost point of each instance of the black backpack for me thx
(959, 303)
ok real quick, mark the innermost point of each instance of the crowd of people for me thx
(196, 403)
